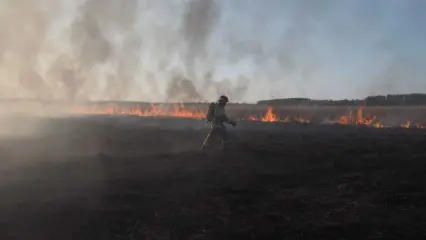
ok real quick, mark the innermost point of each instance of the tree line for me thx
(415, 99)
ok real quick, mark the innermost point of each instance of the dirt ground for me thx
(129, 178)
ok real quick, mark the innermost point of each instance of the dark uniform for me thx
(217, 127)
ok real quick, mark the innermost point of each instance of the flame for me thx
(357, 118)
(270, 116)
(407, 124)
(153, 110)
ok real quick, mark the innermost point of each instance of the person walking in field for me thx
(216, 118)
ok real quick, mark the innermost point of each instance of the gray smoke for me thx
(198, 23)
(23, 27)
(186, 50)
(92, 45)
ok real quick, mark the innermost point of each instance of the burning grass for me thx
(359, 117)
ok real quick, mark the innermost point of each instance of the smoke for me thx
(185, 50)
(199, 20)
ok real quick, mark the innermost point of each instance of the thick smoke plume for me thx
(194, 50)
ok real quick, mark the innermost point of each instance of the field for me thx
(132, 177)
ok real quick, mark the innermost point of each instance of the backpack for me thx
(210, 112)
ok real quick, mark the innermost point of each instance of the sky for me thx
(247, 49)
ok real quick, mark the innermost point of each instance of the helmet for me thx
(223, 98)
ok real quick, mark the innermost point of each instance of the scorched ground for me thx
(121, 177)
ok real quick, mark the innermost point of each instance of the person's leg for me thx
(207, 140)
(225, 139)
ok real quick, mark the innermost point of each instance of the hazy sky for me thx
(130, 50)
(329, 48)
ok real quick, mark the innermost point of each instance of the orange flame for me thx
(152, 111)
(270, 116)
(181, 111)
(358, 119)
(407, 124)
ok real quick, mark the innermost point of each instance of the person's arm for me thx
(232, 122)
(220, 114)
(225, 118)
(228, 120)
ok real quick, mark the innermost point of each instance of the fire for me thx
(357, 118)
(409, 124)
(152, 111)
(270, 116)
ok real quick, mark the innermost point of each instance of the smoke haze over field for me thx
(174, 50)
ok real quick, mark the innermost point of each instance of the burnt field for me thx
(127, 177)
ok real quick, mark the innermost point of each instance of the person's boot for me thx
(204, 147)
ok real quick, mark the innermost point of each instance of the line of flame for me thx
(181, 111)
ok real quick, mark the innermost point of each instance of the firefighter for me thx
(216, 118)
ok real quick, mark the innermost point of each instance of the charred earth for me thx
(127, 177)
